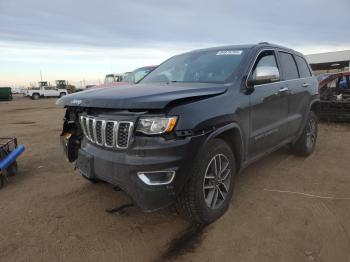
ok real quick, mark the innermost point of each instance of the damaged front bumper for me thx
(138, 170)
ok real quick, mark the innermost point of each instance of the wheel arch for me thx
(232, 135)
(315, 106)
(35, 93)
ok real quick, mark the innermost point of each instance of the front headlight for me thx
(156, 125)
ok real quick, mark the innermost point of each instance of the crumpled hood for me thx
(141, 96)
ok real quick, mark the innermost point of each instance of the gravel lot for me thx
(285, 208)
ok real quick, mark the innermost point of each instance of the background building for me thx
(329, 62)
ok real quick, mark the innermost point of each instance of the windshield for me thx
(213, 66)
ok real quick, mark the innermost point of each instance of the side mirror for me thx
(264, 75)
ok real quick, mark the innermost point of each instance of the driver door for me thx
(268, 109)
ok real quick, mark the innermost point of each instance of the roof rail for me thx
(264, 43)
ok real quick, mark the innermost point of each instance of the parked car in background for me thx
(5, 94)
(117, 80)
(335, 97)
(113, 80)
(320, 77)
(187, 128)
(138, 74)
(17, 90)
(45, 90)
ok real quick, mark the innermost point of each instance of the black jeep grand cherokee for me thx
(183, 133)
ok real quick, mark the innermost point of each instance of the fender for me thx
(222, 129)
(210, 135)
(240, 155)
(312, 102)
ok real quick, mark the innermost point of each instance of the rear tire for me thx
(35, 96)
(62, 94)
(306, 143)
(207, 194)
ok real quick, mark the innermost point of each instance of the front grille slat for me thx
(107, 133)
(103, 131)
(91, 129)
(98, 132)
(94, 130)
(82, 125)
(86, 127)
(123, 134)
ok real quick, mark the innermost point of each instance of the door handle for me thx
(306, 85)
(283, 90)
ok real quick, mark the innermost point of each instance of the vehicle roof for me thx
(247, 46)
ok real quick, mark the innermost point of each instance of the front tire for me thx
(62, 94)
(207, 194)
(305, 145)
(35, 96)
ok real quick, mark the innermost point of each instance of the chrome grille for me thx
(111, 134)
(123, 134)
(91, 129)
(99, 131)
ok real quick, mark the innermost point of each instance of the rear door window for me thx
(289, 67)
(304, 70)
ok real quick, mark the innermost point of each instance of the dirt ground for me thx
(285, 208)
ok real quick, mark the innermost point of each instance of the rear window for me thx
(304, 70)
(289, 68)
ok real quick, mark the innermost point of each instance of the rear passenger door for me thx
(268, 109)
(299, 78)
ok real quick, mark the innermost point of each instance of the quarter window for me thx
(303, 67)
(289, 67)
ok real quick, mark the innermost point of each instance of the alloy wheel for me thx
(217, 181)
(311, 133)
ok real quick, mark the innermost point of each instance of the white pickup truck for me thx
(44, 90)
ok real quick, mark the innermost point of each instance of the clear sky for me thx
(83, 40)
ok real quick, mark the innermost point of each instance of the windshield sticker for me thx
(229, 52)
